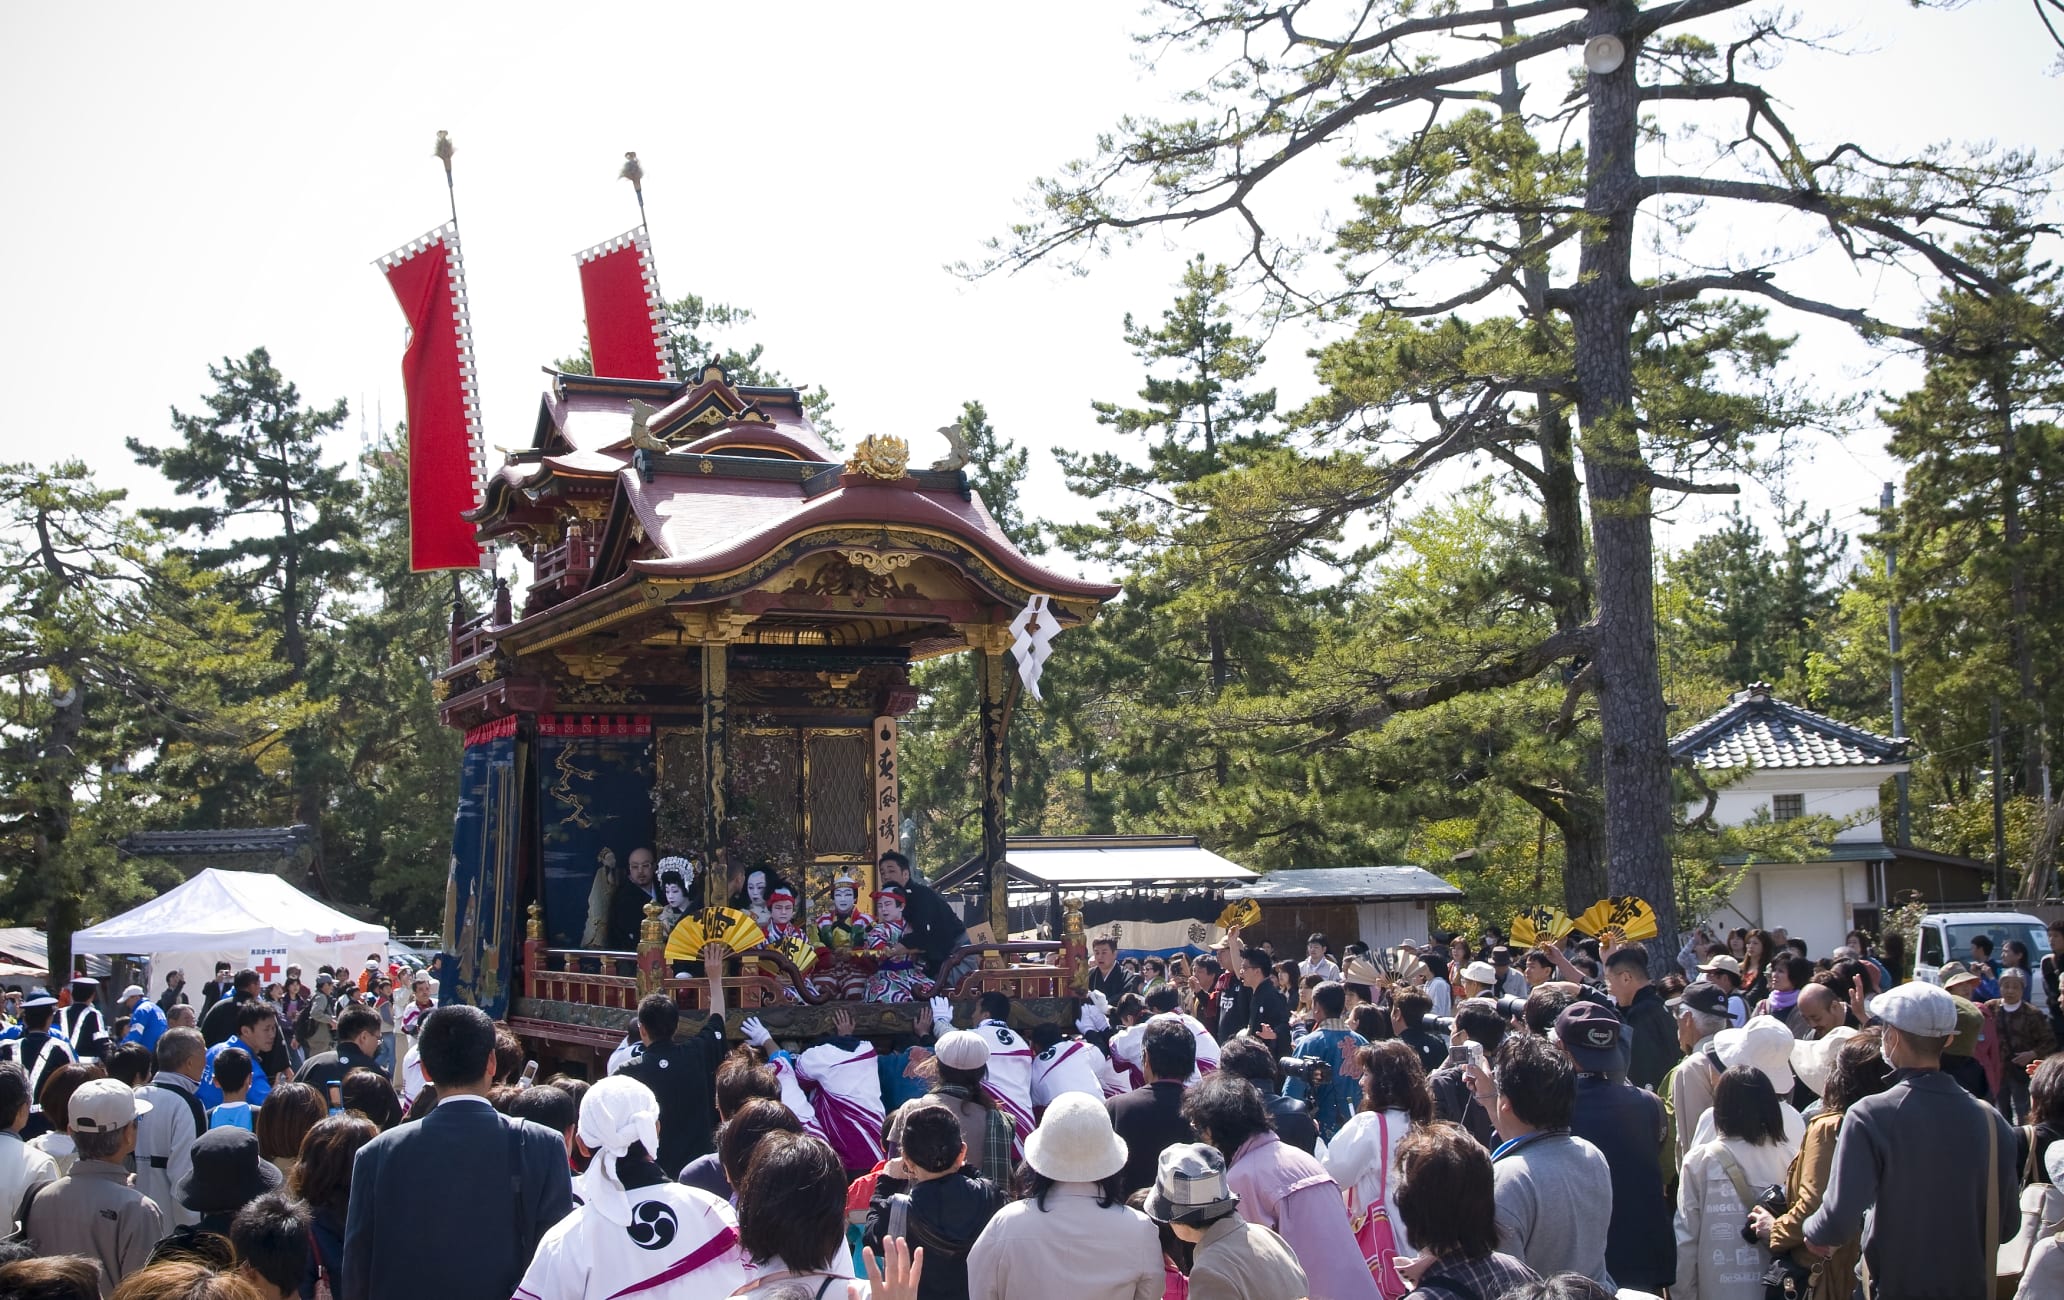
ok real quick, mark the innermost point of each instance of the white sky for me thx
(186, 182)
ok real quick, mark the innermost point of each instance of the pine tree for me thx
(280, 524)
(136, 685)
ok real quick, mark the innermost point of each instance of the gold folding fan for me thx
(801, 953)
(1242, 912)
(735, 929)
(1540, 925)
(1618, 920)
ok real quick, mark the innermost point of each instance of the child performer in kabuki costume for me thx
(675, 876)
(898, 978)
(844, 928)
(636, 1232)
(782, 927)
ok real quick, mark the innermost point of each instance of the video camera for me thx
(1314, 1071)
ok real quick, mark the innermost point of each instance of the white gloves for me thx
(942, 1015)
(755, 1032)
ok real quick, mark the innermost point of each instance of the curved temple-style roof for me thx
(714, 527)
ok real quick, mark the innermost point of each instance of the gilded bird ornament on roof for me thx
(642, 436)
(957, 454)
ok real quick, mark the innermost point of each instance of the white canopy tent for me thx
(246, 918)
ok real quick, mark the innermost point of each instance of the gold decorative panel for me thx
(677, 795)
(766, 785)
(840, 775)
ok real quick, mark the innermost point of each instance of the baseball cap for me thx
(1724, 962)
(1917, 1008)
(133, 991)
(1592, 1036)
(1701, 996)
(105, 1105)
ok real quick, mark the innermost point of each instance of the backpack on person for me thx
(304, 1021)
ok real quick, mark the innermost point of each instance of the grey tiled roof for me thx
(1757, 729)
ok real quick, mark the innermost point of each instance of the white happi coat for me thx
(681, 1244)
(1128, 1048)
(848, 1097)
(792, 1094)
(1010, 1079)
(1072, 1065)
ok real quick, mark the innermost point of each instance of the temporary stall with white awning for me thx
(247, 918)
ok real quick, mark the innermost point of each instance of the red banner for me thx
(444, 442)
(626, 320)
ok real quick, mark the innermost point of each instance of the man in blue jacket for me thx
(257, 1028)
(1626, 1124)
(499, 1182)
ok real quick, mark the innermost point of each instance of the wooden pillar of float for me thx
(991, 643)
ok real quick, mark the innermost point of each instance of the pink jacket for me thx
(1282, 1188)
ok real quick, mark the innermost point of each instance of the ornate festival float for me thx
(708, 667)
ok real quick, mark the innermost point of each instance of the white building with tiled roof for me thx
(1785, 761)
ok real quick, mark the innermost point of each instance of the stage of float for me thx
(711, 661)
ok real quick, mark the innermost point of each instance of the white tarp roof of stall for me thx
(217, 906)
(1366, 884)
(1110, 861)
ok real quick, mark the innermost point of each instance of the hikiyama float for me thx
(711, 660)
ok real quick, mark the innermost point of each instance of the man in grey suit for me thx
(499, 1183)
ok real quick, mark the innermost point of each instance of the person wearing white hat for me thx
(93, 1211)
(636, 1231)
(1765, 1045)
(1074, 1235)
(963, 1064)
(1478, 978)
(1912, 1164)
(1726, 972)
(146, 1019)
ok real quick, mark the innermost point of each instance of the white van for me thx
(1946, 936)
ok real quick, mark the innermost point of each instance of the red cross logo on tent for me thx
(267, 969)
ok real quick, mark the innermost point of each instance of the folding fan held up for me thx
(1540, 925)
(1403, 966)
(1241, 912)
(729, 926)
(1618, 920)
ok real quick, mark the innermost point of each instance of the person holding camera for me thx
(1720, 1255)
(1479, 1029)
(1331, 1042)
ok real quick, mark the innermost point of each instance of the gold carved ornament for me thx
(879, 455)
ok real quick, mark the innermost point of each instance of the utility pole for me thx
(1903, 780)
